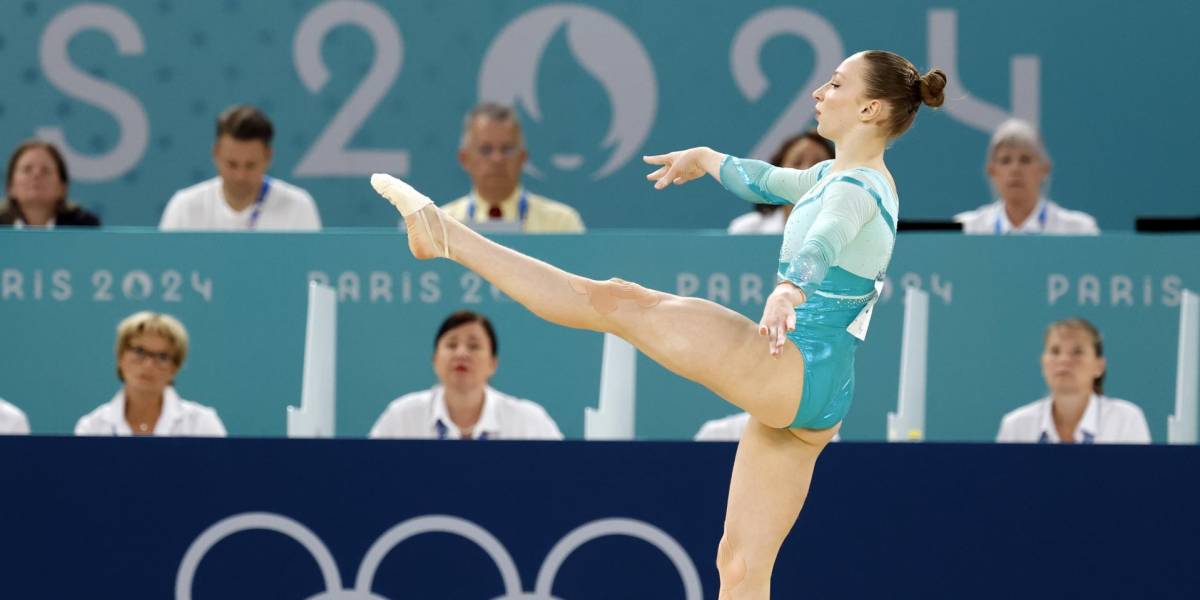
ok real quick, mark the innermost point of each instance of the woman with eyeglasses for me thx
(150, 349)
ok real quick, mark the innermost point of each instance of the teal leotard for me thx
(836, 245)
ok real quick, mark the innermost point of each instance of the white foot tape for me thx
(406, 199)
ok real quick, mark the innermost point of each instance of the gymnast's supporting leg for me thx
(771, 477)
(700, 340)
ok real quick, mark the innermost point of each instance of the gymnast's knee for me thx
(731, 565)
(606, 297)
(816, 438)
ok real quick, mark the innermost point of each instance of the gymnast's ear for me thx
(870, 110)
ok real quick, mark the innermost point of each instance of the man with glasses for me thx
(493, 153)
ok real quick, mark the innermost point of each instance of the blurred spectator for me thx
(800, 151)
(12, 420)
(1076, 411)
(36, 190)
(493, 153)
(242, 197)
(726, 429)
(463, 405)
(1017, 166)
(151, 347)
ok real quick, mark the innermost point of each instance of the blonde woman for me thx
(151, 348)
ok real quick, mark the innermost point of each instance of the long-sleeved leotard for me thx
(836, 245)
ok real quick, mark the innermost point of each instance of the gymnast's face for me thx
(1069, 361)
(463, 359)
(841, 103)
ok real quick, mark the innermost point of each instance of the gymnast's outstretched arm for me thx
(751, 180)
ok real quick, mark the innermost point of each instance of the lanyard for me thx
(1041, 218)
(1088, 438)
(258, 203)
(522, 208)
(443, 432)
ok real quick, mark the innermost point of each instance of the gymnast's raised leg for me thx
(697, 339)
(700, 340)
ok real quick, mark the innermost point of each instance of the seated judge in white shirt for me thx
(1017, 168)
(800, 151)
(12, 420)
(462, 405)
(1076, 411)
(242, 197)
(151, 347)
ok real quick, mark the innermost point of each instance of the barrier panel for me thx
(298, 518)
(242, 298)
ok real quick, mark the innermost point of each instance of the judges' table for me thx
(241, 518)
(242, 298)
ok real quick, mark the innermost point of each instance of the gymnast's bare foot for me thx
(418, 211)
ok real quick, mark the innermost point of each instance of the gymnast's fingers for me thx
(657, 174)
(668, 177)
(657, 159)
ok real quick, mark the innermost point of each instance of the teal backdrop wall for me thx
(132, 89)
(243, 297)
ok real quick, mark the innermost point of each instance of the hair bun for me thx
(933, 86)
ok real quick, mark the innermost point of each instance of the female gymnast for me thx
(836, 246)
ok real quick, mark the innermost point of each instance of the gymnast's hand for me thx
(779, 316)
(682, 166)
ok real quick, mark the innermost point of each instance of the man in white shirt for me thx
(1017, 167)
(242, 197)
(12, 420)
(424, 415)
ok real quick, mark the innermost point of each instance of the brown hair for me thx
(26, 146)
(811, 134)
(153, 323)
(464, 317)
(245, 123)
(893, 79)
(1097, 343)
